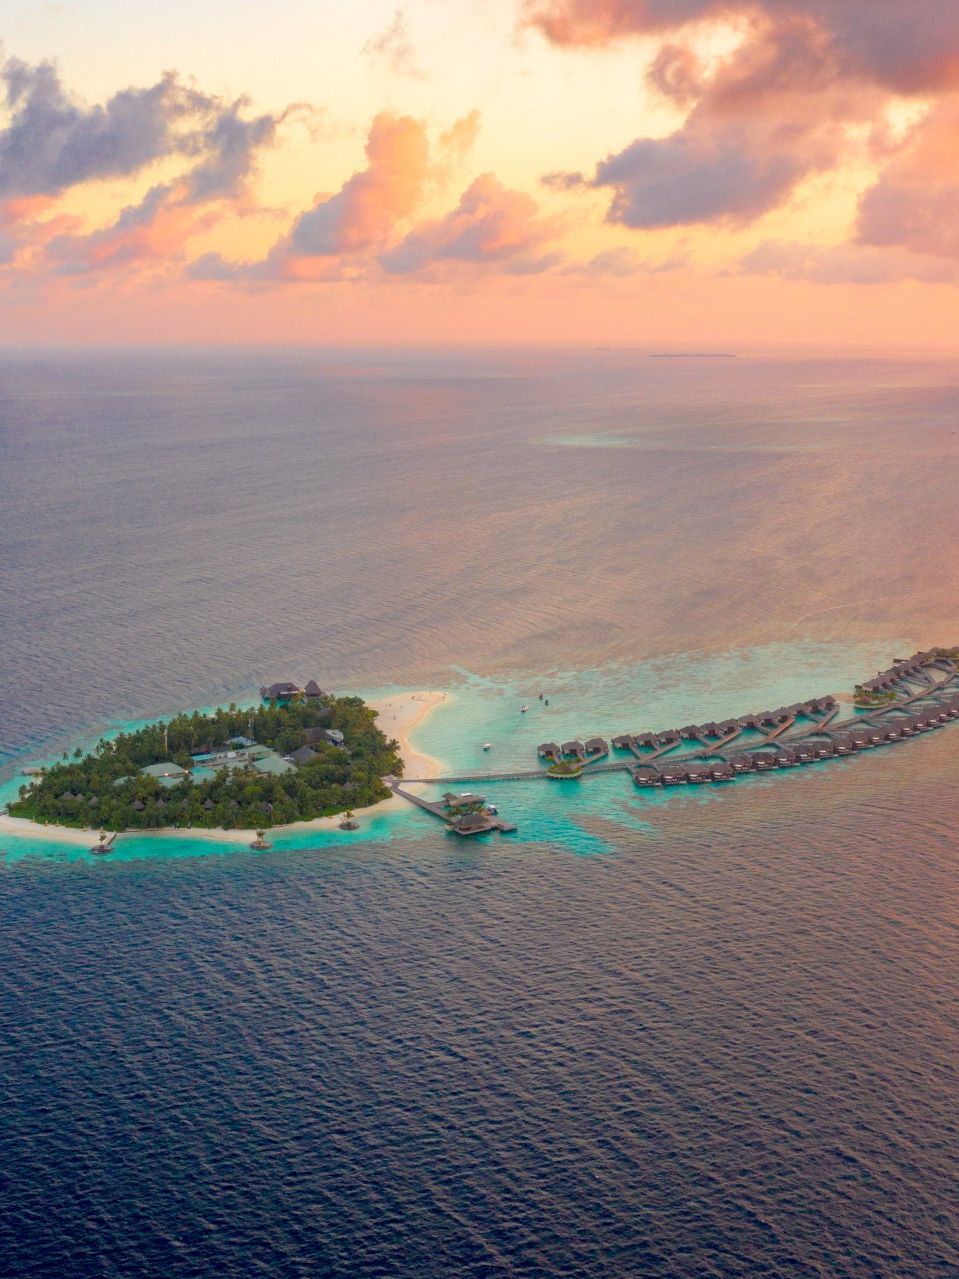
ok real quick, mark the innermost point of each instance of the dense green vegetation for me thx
(867, 698)
(566, 768)
(107, 788)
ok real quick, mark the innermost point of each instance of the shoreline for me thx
(397, 715)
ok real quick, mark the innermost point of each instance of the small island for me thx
(299, 756)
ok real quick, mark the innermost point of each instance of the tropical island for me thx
(299, 756)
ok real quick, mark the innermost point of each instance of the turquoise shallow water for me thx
(614, 699)
(711, 1033)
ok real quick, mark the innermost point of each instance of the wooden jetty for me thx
(791, 737)
(460, 823)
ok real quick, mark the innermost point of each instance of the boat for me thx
(493, 810)
(524, 710)
(487, 746)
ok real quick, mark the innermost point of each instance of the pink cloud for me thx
(153, 231)
(908, 47)
(915, 202)
(844, 264)
(775, 111)
(490, 225)
(368, 207)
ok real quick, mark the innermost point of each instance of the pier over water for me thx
(915, 695)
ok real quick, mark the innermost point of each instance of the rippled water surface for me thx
(705, 1034)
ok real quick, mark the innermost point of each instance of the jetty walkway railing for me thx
(780, 738)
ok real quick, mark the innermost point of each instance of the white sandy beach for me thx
(398, 716)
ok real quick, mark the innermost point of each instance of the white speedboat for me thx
(524, 710)
(487, 746)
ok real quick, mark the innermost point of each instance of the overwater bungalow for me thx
(467, 800)
(674, 775)
(313, 689)
(698, 774)
(596, 746)
(690, 731)
(549, 750)
(473, 824)
(741, 763)
(623, 742)
(646, 775)
(574, 748)
(763, 760)
(787, 758)
(804, 753)
(841, 744)
(722, 773)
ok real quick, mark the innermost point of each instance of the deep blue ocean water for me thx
(686, 1035)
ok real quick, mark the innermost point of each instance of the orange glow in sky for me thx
(742, 173)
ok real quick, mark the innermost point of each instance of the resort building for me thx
(273, 765)
(467, 802)
(281, 692)
(167, 773)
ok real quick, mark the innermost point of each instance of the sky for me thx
(730, 174)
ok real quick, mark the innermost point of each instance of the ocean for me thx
(702, 1034)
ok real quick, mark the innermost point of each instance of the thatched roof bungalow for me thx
(281, 691)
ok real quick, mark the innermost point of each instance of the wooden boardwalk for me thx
(437, 810)
(782, 738)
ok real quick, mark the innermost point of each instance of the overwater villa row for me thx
(915, 701)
